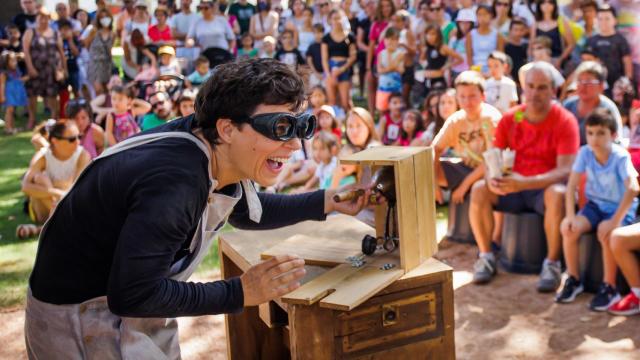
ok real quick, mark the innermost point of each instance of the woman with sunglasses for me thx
(137, 223)
(52, 171)
(548, 24)
(504, 12)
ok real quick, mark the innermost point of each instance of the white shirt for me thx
(501, 93)
(182, 22)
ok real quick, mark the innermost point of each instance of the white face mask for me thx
(105, 22)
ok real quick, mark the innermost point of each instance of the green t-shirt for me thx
(446, 31)
(152, 120)
(243, 13)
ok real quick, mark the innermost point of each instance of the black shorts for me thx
(454, 172)
(523, 201)
(408, 76)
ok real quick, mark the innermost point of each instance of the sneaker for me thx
(483, 270)
(605, 297)
(629, 305)
(549, 276)
(572, 288)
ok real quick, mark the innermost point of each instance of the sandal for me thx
(27, 231)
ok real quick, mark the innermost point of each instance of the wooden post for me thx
(311, 332)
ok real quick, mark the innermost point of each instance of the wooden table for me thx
(410, 319)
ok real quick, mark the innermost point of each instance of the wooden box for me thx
(413, 172)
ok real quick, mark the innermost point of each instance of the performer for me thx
(113, 260)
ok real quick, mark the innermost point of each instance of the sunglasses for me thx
(70, 139)
(283, 126)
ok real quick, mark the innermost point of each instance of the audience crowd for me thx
(555, 83)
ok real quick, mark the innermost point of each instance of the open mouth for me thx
(276, 163)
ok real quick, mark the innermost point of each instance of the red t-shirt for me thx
(537, 146)
(156, 35)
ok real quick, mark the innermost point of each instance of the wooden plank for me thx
(311, 332)
(448, 316)
(382, 155)
(355, 289)
(321, 286)
(407, 214)
(426, 205)
(322, 251)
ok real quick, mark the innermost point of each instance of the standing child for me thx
(483, 40)
(500, 91)
(314, 56)
(325, 152)
(12, 90)
(391, 121)
(121, 123)
(464, 24)
(71, 48)
(412, 127)
(390, 66)
(436, 53)
(611, 189)
(516, 46)
(289, 54)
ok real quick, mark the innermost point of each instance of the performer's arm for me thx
(280, 210)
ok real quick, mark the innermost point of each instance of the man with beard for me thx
(545, 138)
(161, 106)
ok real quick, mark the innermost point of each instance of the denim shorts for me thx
(345, 76)
(595, 216)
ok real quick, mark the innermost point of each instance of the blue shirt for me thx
(605, 183)
(571, 104)
(197, 79)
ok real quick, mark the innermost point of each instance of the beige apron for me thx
(89, 330)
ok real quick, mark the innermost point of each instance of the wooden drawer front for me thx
(390, 320)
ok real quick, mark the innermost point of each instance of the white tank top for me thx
(61, 170)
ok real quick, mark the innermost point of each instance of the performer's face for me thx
(257, 157)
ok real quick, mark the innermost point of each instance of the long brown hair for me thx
(379, 16)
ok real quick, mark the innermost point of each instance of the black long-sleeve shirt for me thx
(131, 216)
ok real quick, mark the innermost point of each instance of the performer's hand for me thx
(271, 279)
(352, 207)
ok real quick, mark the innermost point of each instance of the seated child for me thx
(468, 132)
(611, 189)
(247, 51)
(412, 128)
(625, 243)
(268, 48)
(168, 64)
(391, 121)
(327, 121)
(202, 72)
(325, 153)
(186, 103)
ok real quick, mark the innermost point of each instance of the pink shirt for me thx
(374, 36)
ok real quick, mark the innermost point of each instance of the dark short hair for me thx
(62, 23)
(318, 28)
(608, 8)
(396, 95)
(516, 20)
(602, 117)
(201, 60)
(487, 8)
(76, 106)
(127, 91)
(589, 3)
(236, 89)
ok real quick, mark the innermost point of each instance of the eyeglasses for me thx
(435, 8)
(283, 126)
(588, 82)
(323, 4)
(502, 4)
(70, 139)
